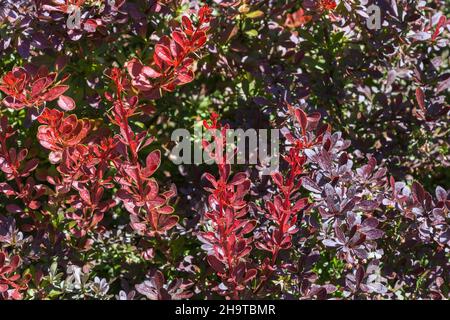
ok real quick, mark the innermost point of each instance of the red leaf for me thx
(13, 103)
(15, 261)
(179, 38)
(150, 72)
(84, 194)
(250, 275)
(187, 24)
(153, 161)
(98, 216)
(439, 25)
(300, 204)
(168, 223)
(185, 77)
(90, 25)
(164, 54)
(313, 120)
(420, 97)
(66, 103)
(216, 264)
(302, 119)
(55, 92)
(210, 178)
(278, 179)
(166, 210)
(38, 86)
(248, 227)
(238, 178)
(134, 67)
(199, 42)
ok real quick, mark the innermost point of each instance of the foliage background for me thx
(260, 57)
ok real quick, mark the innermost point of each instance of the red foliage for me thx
(11, 283)
(150, 210)
(328, 4)
(297, 19)
(172, 64)
(14, 165)
(226, 242)
(285, 207)
(84, 169)
(66, 7)
(442, 22)
(25, 87)
(320, 6)
(60, 132)
(64, 231)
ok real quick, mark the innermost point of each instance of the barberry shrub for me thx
(93, 208)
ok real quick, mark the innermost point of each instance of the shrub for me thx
(93, 208)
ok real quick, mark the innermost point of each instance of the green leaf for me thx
(139, 124)
(54, 294)
(54, 268)
(255, 14)
(252, 33)
(71, 224)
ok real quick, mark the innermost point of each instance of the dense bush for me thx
(92, 207)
